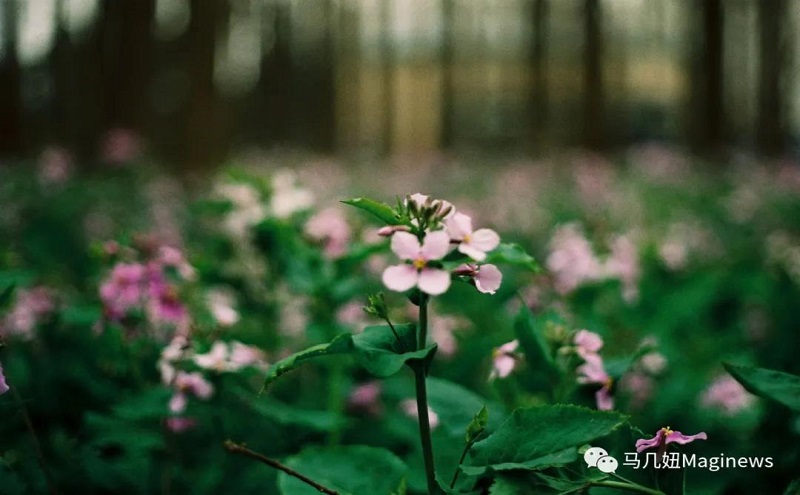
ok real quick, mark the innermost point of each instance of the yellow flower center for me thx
(467, 238)
(419, 263)
(667, 431)
(608, 383)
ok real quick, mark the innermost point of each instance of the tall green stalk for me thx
(422, 401)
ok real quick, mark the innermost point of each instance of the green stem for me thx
(467, 446)
(397, 336)
(422, 402)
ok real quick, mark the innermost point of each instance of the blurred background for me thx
(200, 80)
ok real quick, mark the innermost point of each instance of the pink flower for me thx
(179, 424)
(474, 244)
(587, 345)
(30, 307)
(666, 436)
(366, 397)
(487, 278)
(572, 260)
(189, 383)
(409, 407)
(3, 385)
(55, 166)
(433, 281)
(230, 357)
(504, 360)
(124, 289)
(389, 230)
(593, 372)
(330, 228)
(727, 395)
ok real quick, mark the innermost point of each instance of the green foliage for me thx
(381, 353)
(771, 384)
(342, 344)
(541, 437)
(381, 211)
(350, 470)
(514, 255)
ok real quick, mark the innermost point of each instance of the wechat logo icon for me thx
(599, 458)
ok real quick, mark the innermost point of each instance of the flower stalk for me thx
(422, 401)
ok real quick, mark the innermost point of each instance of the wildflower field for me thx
(576, 324)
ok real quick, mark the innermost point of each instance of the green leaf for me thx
(454, 404)
(383, 355)
(513, 254)
(350, 470)
(529, 330)
(477, 425)
(341, 344)
(538, 437)
(382, 211)
(775, 385)
(793, 488)
(5, 296)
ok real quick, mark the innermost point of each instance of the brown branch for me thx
(236, 448)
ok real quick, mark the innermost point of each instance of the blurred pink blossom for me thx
(409, 407)
(623, 264)
(189, 383)
(55, 166)
(366, 397)
(572, 260)
(487, 277)
(120, 146)
(727, 395)
(30, 307)
(330, 228)
(594, 372)
(221, 306)
(180, 424)
(504, 360)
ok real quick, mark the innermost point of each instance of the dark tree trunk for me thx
(770, 135)
(538, 96)
(10, 73)
(593, 77)
(277, 75)
(205, 126)
(705, 125)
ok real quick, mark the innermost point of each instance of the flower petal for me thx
(472, 251)
(504, 365)
(589, 341)
(458, 226)
(644, 444)
(681, 439)
(604, 400)
(405, 245)
(488, 279)
(435, 245)
(484, 239)
(400, 278)
(177, 404)
(433, 281)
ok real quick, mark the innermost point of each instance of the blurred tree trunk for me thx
(705, 124)
(127, 61)
(448, 96)
(277, 74)
(205, 125)
(538, 95)
(770, 134)
(10, 93)
(593, 76)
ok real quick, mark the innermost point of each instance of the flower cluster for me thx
(435, 229)
(148, 287)
(727, 395)
(573, 262)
